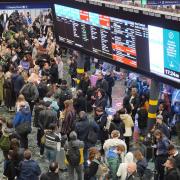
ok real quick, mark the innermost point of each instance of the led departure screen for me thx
(135, 44)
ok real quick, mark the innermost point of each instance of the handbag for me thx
(24, 128)
(102, 168)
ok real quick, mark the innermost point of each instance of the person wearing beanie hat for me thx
(162, 126)
(74, 156)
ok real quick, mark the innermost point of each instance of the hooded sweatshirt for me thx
(127, 119)
(122, 170)
(24, 114)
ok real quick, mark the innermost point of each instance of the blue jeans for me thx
(50, 154)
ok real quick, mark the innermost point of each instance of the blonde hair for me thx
(20, 98)
(115, 134)
(138, 155)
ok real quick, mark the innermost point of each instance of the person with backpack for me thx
(8, 133)
(110, 148)
(28, 169)
(62, 94)
(87, 131)
(52, 172)
(172, 172)
(74, 156)
(117, 124)
(51, 141)
(96, 169)
(22, 124)
(30, 92)
(46, 117)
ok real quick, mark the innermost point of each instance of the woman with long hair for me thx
(69, 118)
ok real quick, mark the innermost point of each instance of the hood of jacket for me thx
(129, 157)
(124, 116)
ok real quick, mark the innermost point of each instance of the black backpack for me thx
(73, 155)
(27, 92)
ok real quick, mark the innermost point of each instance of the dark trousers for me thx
(73, 82)
(40, 134)
(79, 172)
(24, 140)
(159, 161)
(110, 99)
(127, 140)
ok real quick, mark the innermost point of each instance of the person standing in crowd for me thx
(85, 83)
(101, 83)
(100, 99)
(173, 152)
(52, 172)
(46, 117)
(25, 64)
(172, 172)
(109, 78)
(141, 162)
(87, 131)
(30, 92)
(142, 118)
(132, 172)
(20, 100)
(60, 68)
(161, 126)
(117, 124)
(51, 140)
(122, 170)
(69, 118)
(62, 94)
(73, 71)
(126, 118)
(111, 153)
(79, 102)
(162, 110)
(161, 153)
(22, 124)
(53, 72)
(101, 120)
(29, 169)
(74, 156)
(8, 92)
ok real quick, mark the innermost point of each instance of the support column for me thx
(153, 102)
(80, 66)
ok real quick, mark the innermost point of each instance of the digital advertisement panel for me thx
(164, 52)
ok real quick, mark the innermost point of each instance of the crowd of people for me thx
(73, 124)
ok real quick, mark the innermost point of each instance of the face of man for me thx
(171, 152)
(131, 168)
(134, 91)
(168, 164)
(100, 76)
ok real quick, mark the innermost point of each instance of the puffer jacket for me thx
(127, 119)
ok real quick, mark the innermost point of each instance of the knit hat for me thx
(73, 135)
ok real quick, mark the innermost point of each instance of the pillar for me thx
(153, 102)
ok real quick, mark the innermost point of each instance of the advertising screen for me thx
(164, 48)
(138, 45)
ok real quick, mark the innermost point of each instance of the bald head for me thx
(132, 167)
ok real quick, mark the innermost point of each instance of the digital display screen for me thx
(140, 46)
(164, 48)
(163, 2)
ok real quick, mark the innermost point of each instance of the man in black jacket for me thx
(172, 172)
(82, 129)
(101, 83)
(53, 72)
(46, 117)
(173, 152)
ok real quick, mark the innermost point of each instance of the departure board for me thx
(140, 46)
